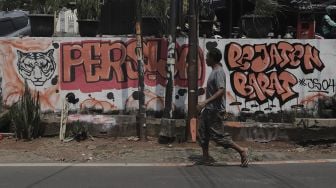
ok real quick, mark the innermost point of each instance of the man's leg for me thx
(205, 152)
(204, 137)
(243, 153)
(227, 142)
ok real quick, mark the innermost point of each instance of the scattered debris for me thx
(92, 147)
(91, 137)
(263, 141)
(133, 138)
(62, 159)
(300, 150)
(68, 139)
(311, 143)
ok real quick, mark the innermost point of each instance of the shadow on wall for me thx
(4, 115)
(0, 94)
(177, 114)
(273, 117)
(326, 108)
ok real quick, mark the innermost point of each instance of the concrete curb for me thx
(187, 164)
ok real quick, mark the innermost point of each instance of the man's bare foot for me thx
(244, 158)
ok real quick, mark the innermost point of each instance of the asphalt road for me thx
(256, 176)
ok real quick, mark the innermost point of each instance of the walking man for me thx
(213, 109)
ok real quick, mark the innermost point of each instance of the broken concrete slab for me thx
(125, 126)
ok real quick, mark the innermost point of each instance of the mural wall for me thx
(100, 74)
(263, 76)
(280, 80)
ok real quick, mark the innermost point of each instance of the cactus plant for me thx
(25, 115)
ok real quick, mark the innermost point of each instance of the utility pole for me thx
(168, 111)
(167, 123)
(192, 66)
(141, 117)
(230, 18)
(180, 18)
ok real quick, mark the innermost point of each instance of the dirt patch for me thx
(127, 150)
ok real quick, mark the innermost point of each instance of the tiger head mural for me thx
(38, 67)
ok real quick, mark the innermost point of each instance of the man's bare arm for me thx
(218, 94)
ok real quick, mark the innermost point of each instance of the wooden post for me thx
(141, 118)
(192, 65)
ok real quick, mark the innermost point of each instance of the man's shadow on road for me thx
(197, 160)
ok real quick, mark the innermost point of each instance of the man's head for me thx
(331, 10)
(214, 56)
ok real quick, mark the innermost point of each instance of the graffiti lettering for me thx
(317, 85)
(114, 65)
(262, 57)
(261, 86)
(259, 71)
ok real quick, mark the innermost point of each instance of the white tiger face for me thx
(38, 67)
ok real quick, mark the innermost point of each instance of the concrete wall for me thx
(276, 79)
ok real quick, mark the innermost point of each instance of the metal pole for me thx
(141, 117)
(180, 14)
(192, 64)
(168, 111)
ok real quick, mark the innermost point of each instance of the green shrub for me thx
(79, 131)
(25, 115)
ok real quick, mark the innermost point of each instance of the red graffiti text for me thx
(92, 66)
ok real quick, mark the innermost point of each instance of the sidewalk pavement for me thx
(114, 143)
